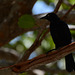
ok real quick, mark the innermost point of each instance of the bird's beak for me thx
(43, 17)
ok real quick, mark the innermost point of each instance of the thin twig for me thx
(33, 47)
(58, 6)
(73, 6)
(48, 30)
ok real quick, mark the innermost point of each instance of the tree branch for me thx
(35, 44)
(58, 6)
(44, 58)
(73, 6)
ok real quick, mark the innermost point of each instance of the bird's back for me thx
(60, 33)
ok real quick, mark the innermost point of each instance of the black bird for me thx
(61, 36)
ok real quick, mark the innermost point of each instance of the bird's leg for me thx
(50, 51)
(53, 50)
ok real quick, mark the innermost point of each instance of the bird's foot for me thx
(50, 51)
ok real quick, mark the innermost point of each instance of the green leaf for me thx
(65, 6)
(72, 1)
(25, 73)
(26, 21)
(48, 1)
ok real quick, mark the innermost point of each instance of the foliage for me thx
(26, 21)
(72, 1)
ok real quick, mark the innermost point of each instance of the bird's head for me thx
(51, 17)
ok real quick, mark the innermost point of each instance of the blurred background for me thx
(23, 42)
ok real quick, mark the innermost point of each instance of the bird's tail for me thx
(70, 65)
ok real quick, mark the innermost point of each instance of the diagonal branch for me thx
(58, 6)
(73, 6)
(36, 43)
(44, 58)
